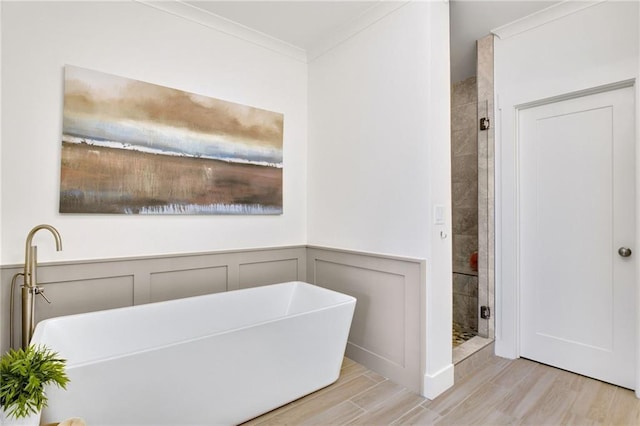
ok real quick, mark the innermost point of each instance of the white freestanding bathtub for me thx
(219, 359)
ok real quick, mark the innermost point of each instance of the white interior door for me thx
(576, 210)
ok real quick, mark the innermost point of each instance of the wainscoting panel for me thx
(268, 272)
(84, 295)
(86, 286)
(376, 291)
(386, 333)
(170, 285)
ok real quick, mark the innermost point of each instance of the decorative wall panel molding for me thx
(169, 285)
(387, 331)
(83, 295)
(268, 272)
(86, 286)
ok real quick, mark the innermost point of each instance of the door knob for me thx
(624, 251)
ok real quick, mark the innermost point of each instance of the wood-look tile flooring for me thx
(501, 392)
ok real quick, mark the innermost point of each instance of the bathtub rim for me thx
(40, 330)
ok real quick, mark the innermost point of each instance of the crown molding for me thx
(226, 26)
(339, 35)
(544, 16)
(358, 24)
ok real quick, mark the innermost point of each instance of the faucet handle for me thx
(40, 291)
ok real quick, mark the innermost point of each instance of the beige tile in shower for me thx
(463, 92)
(485, 67)
(464, 169)
(464, 142)
(464, 220)
(463, 117)
(464, 195)
(463, 246)
(464, 313)
(466, 285)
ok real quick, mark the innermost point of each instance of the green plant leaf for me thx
(24, 373)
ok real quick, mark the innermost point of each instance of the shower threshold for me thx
(468, 348)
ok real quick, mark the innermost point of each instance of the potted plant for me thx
(24, 373)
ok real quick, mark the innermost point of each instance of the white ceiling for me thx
(298, 23)
(305, 24)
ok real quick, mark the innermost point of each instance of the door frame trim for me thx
(577, 94)
(517, 202)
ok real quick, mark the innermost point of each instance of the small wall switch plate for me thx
(438, 214)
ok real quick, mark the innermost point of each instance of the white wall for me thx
(591, 47)
(379, 153)
(368, 139)
(136, 41)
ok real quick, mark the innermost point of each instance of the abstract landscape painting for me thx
(130, 147)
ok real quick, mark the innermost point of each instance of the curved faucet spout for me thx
(30, 285)
(51, 229)
(30, 253)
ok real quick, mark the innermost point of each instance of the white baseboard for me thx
(435, 384)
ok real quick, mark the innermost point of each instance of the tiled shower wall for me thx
(464, 181)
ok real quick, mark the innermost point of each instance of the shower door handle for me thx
(624, 251)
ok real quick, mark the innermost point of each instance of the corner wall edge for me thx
(435, 384)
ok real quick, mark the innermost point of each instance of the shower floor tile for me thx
(460, 335)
